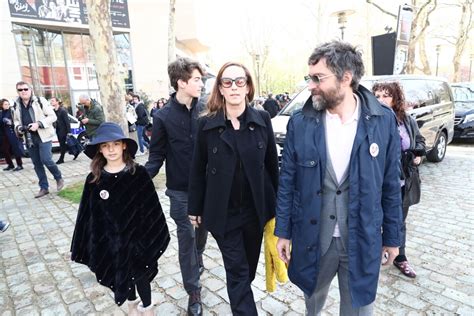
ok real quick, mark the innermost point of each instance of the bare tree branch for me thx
(395, 16)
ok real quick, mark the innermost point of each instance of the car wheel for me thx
(439, 150)
(83, 139)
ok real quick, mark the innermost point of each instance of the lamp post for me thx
(342, 19)
(26, 36)
(438, 49)
(256, 60)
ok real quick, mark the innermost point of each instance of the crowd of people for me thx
(340, 199)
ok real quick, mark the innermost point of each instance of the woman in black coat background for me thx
(63, 126)
(412, 149)
(10, 142)
(233, 179)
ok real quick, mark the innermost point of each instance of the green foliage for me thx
(73, 192)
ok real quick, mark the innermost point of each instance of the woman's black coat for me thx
(120, 231)
(8, 130)
(214, 162)
(411, 175)
(63, 126)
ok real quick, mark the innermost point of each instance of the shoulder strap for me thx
(39, 101)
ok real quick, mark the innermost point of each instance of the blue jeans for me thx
(191, 242)
(41, 156)
(141, 141)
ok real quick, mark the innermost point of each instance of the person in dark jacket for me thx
(412, 150)
(233, 180)
(271, 106)
(120, 231)
(92, 114)
(142, 122)
(172, 139)
(339, 201)
(63, 127)
(10, 142)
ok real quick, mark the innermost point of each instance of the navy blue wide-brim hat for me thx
(109, 132)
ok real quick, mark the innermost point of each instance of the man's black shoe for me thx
(9, 168)
(60, 161)
(18, 168)
(194, 304)
(75, 156)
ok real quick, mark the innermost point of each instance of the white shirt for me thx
(340, 139)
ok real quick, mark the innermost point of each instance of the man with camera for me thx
(92, 114)
(34, 118)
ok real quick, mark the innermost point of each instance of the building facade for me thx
(47, 43)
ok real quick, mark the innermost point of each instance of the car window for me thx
(296, 103)
(463, 93)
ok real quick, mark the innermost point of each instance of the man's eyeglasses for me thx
(317, 79)
(239, 82)
(24, 89)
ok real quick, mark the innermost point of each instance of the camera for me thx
(28, 138)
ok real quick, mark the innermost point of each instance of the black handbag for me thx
(74, 147)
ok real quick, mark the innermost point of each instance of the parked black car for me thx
(464, 110)
(430, 102)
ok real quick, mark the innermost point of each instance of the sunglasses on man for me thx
(239, 82)
(23, 89)
(317, 79)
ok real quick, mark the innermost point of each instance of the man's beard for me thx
(327, 100)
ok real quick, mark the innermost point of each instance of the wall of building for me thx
(9, 65)
(149, 41)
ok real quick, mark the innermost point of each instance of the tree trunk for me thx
(112, 90)
(418, 28)
(171, 33)
(465, 26)
(426, 69)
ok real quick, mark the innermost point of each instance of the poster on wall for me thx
(72, 12)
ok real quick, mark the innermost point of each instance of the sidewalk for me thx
(38, 278)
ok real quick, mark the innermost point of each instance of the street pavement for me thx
(38, 278)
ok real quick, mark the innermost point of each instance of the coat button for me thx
(313, 221)
(260, 145)
(312, 162)
(213, 171)
(214, 150)
(251, 127)
(332, 217)
(221, 129)
(338, 192)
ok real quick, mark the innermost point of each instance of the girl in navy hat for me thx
(121, 230)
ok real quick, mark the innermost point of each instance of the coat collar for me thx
(251, 115)
(176, 104)
(369, 106)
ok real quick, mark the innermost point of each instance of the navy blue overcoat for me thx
(374, 215)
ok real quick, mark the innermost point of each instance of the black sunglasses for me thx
(24, 89)
(239, 82)
(316, 79)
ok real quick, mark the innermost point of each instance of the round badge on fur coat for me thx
(104, 194)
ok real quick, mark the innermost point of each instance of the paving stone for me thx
(80, 308)
(273, 306)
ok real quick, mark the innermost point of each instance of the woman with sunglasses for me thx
(233, 179)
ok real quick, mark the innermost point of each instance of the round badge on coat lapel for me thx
(374, 150)
(104, 194)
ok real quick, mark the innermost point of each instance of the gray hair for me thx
(84, 97)
(340, 57)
